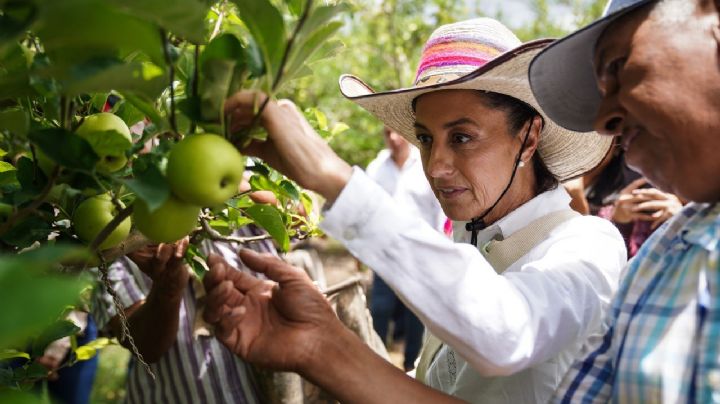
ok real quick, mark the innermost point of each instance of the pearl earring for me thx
(521, 164)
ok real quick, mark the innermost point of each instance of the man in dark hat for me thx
(648, 72)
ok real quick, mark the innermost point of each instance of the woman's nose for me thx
(440, 162)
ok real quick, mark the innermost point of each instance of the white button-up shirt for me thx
(528, 322)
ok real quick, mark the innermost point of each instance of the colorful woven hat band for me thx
(455, 50)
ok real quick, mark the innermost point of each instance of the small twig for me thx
(26, 211)
(283, 61)
(216, 236)
(124, 329)
(114, 223)
(132, 243)
(171, 66)
(339, 287)
(195, 85)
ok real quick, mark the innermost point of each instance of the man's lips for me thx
(627, 138)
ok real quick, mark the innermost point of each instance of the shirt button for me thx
(350, 233)
(713, 378)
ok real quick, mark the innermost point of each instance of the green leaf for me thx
(32, 180)
(28, 231)
(254, 59)
(129, 113)
(339, 128)
(269, 218)
(148, 183)
(15, 19)
(321, 119)
(15, 120)
(105, 74)
(65, 148)
(295, 7)
(12, 353)
(8, 173)
(147, 108)
(32, 296)
(226, 46)
(307, 203)
(267, 27)
(89, 350)
(17, 397)
(57, 330)
(185, 18)
(107, 142)
(289, 190)
(308, 47)
(215, 84)
(99, 29)
(196, 259)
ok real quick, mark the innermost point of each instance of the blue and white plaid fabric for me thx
(663, 338)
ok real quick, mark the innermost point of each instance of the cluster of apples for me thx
(202, 170)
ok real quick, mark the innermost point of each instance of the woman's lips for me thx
(450, 192)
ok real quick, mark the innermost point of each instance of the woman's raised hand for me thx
(292, 147)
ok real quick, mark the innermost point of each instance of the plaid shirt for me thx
(663, 338)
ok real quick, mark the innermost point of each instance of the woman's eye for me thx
(460, 138)
(424, 139)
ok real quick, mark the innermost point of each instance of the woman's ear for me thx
(533, 139)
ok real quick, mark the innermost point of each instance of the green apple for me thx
(93, 214)
(205, 169)
(172, 221)
(94, 124)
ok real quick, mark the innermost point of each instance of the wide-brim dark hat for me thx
(562, 76)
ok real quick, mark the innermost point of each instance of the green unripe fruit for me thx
(104, 122)
(93, 214)
(205, 169)
(172, 221)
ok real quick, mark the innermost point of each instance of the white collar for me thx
(547, 202)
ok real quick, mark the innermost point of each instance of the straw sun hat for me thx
(481, 54)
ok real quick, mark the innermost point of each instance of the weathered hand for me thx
(655, 206)
(279, 324)
(292, 147)
(164, 264)
(626, 202)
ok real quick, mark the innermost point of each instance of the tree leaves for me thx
(267, 27)
(148, 184)
(65, 148)
(184, 18)
(31, 297)
(269, 218)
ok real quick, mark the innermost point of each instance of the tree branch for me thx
(168, 60)
(339, 287)
(216, 236)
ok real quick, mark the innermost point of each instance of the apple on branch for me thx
(100, 131)
(93, 214)
(205, 170)
(172, 221)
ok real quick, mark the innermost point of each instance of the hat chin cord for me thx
(478, 223)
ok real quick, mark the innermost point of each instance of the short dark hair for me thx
(518, 113)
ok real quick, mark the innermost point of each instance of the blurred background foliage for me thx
(382, 44)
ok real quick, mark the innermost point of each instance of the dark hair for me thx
(614, 177)
(518, 113)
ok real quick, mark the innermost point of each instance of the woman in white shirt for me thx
(525, 281)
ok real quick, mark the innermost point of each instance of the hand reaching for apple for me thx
(164, 264)
(278, 324)
(292, 147)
